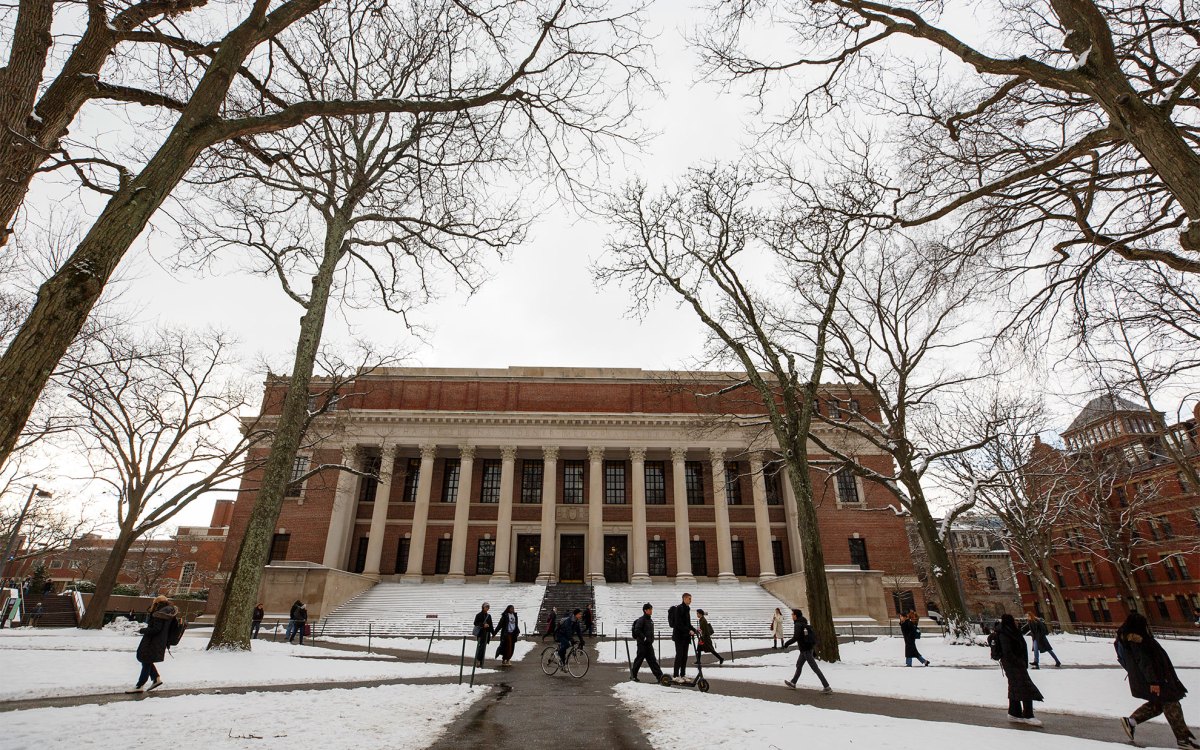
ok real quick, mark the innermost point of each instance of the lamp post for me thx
(12, 538)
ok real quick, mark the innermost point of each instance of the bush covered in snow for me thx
(124, 625)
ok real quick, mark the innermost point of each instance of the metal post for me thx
(474, 664)
(430, 646)
(275, 635)
(731, 657)
(852, 632)
(462, 660)
(615, 648)
(627, 659)
(368, 637)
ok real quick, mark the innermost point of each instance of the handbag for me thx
(475, 631)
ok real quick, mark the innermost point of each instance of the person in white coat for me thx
(776, 628)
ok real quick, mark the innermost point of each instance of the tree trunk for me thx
(942, 570)
(1056, 598)
(93, 618)
(232, 628)
(820, 612)
(1128, 586)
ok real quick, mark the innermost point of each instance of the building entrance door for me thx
(616, 559)
(570, 558)
(529, 555)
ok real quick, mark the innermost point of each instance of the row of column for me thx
(343, 517)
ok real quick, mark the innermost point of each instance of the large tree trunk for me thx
(232, 629)
(942, 570)
(820, 612)
(93, 618)
(1056, 598)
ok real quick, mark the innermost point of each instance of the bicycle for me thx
(576, 665)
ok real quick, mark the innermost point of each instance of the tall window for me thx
(450, 480)
(858, 554)
(1147, 568)
(739, 557)
(1062, 582)
(187, 574)
(485, 557)
(1168, 530)
(490, 491)
(847, 488)
(370, 484)
(693, 473)
(532, 471)
(614, 482)
(1080, 572)
(1181, 564)
(573, 482)
(441, 564)
(1162, 607)
(279, 547)
(1185, 607)
(656, 485)
(412, 476)
(1167, 566)
(402, 548)
(360, 557)
(733, 484)
(699, 558)
(773, 481)
(656, 553)
(777, 556)
(993, 581)
(295, 486)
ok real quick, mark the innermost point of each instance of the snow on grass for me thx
(390, 716)
(688, 719)
(442, 646)
(58, 662)
(666, 649)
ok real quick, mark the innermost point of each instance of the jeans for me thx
(681, 657)
(480, 648)
(1173, 712)
(645, 652)
(563, 645)
(149, 672)
(806, 657)
(291, 630)
(254, 628)
(1020, 709)
(1037, 656)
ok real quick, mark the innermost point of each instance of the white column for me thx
(416, 543)
(683, 536)
(345, 503)
(594, 565)
(504, 518)
(762, 521)
(795, 543)
(462, 511)
(549, 513)
(721, 514)
(383, 494)
(641, 560)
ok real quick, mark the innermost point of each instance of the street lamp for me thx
(12, 538)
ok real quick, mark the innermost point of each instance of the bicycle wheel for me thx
(550, 659)
(578, 662)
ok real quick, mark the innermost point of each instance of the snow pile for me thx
(124, 626)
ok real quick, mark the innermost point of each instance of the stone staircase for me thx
(564, 598)
(57, 611)
(405, 609)
(744, 609)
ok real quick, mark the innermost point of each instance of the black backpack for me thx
(671, 615)
(994, 649)
(810, 638)
(175, 634)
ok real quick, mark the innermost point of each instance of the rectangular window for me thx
(295, 484)
(1181, 564)
(1162, 607)
(833, 408)
(490, 491)
(450, 480)
(485, 558)
(1168, 530)
(1147, 568)
(858, 554)
(1185, 607)
(412, 477)
(441, 564)
(360, 557)
(402, 548)
(614, 482)
(279, 547)
(1062, 582)
(693, 473)
(74, 564)
(187, 574)
(1079, 572)
(1091, 573)
(573, 482)
(656, 552)
(656, 484)
(772, 477)
(777, 555)
(55, 564)
(733, 484)
(1093, 609)
(1122, 497)
(847, 488)
(1167, 566)
(532, 472)
(739, 557)
(699, 558)
(369, 485)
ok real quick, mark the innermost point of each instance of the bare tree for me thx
(150, 560)
(46, 526)
(157, 416)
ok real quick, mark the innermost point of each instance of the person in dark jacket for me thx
(509, 630)
(681, 634)
(1014, 656)
(706, 639)
(483, 630)
(291, 628)
(643, 635)
(1039, 639)
(156, 637)
(300, 617)
(805, 639)
(588, 622)
(256, 620)
(910, 632)
(551, 623)
(569, 628)
(1152, 678)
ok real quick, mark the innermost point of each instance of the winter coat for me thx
(1014, 660)
(706, 629)
(910, 632)
(643, 630)
(682, 629)
(258, 614)
(1148, 664)
(156, 635)
(568, 628)
(301, 615)
(802, 635)
(1038, 633)
(293, 614)
(483, 621)
(777, 626)
(507, 640)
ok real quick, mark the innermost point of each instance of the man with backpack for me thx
(679, 618)
(805, 639)
(568, 629)
(162, 631)
(643, 634)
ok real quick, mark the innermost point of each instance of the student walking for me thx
(910, 633)
(483, 630)
(805, 639)
(776, 628)
(1014, 656)
(1039, 636)
(588, 624)
(292, 621)
(156, 637)
(256, 620)
(300, 616)
(551, 623)
(679, 618)
(1152, 678)
(509, 630)
(706, 639)
(643, 635)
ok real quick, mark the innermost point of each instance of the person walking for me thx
(910, 632)
(256, 620)
(551, 623)
(483, 630)
(1152, 678)
(509, 630)
(776, 628)
(588, 624)
(156, 637)
(1014, 656)
(643, 635)
(301, 616)
(292, 614)
(1039, 637)
(706, 639)
(38, 611)
(805, 639)
(679, 618)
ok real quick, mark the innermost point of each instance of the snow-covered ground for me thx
(687, 719)
(442, 646)
(391, 716)
(668, 649)
(39, 663)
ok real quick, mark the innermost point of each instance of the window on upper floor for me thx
(450, 480)
(532, 474)
(847, 488)
(858, 553)
(412, 478)
(733, 484)
(992, 579)
(489, 491)
(295, 487)
(656, 483)
(369, 485)
(614, 482)
(693, 473)
(573, 482)
(656, 553)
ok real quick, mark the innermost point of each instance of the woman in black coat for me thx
(509, 629)
(1014, 660)
(483, 630)
(1152, 678)
(156, 637)
(910, 632)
